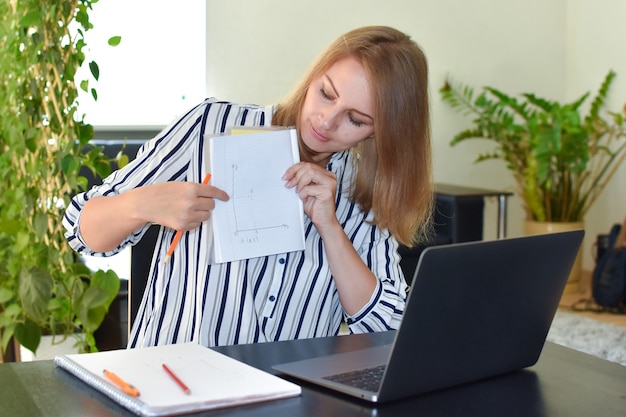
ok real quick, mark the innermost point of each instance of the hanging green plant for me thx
(44, 144)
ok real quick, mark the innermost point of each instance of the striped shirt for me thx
(279, 297)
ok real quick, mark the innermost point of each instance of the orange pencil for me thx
(179, 233)
(123, 385)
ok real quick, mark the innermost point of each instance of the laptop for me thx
(475, 310)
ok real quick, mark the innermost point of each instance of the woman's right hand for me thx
(106, 221)
(179, 205)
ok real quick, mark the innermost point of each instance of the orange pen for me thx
(123, 385)
(179, 233)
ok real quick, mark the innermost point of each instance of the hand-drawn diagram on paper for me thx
(249, 210)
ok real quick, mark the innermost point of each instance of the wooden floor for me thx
(573, 301)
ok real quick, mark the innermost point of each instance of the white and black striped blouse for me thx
(279, 297)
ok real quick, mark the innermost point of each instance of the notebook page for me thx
(262, 217)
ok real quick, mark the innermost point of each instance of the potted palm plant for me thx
(44, 287)
(560, 159)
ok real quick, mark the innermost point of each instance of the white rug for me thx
(604, 340)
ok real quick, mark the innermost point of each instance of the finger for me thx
(316, 191)
(291, 171)
(209, 191)
(311, 174)
(292, 174)
(200, 213)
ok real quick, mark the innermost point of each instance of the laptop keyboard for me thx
(367, 379)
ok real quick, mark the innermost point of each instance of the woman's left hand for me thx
(316, 187)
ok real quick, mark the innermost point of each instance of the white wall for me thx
(596, 35)
(257, 50)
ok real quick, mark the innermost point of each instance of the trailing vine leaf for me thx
(115, 40)
(28, 334)
(7, 334)
(40, 223)
(95, 70)
(69, 164)
(108, 282)
(35, 291)
(31, 19)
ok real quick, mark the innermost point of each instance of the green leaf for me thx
(35, 291)
(22, 240)
(82, 183)
(28, 334)
(93, 297)
(40, 223)
(13, 312)
(94, 94)
(10, 227)
(85, 133)
(57, 304)
(31, 144)
(91, 318)
(5, 295)
(97, 299)
(7, 335)
(103, 168)
(115, 40)
(31, 19)
(69, 164)
(122, 160)
(108, 282)
(89, 345)
(84, 85)
(95, 70)
(80, 44)
(82, 17)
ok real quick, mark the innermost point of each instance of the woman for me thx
(364, 177)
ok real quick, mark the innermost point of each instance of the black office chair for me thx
(140, 261)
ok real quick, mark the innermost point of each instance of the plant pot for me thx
(532, 227)
(49, 347)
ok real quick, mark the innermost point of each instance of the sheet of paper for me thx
(262, 217)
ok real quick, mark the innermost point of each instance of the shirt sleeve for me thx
(163, 158)
(386, 306)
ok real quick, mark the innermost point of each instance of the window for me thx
(157, 71)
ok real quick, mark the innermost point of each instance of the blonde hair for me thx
(393, 168)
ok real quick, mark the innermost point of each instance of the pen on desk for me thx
(124, 386)
(179, 233)
(180, 383)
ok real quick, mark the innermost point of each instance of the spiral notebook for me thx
(214, 380)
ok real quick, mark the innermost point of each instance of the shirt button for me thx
(272, 298)
(281, 261)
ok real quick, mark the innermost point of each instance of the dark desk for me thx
(564, 383)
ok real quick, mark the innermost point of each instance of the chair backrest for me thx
(140, 261)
